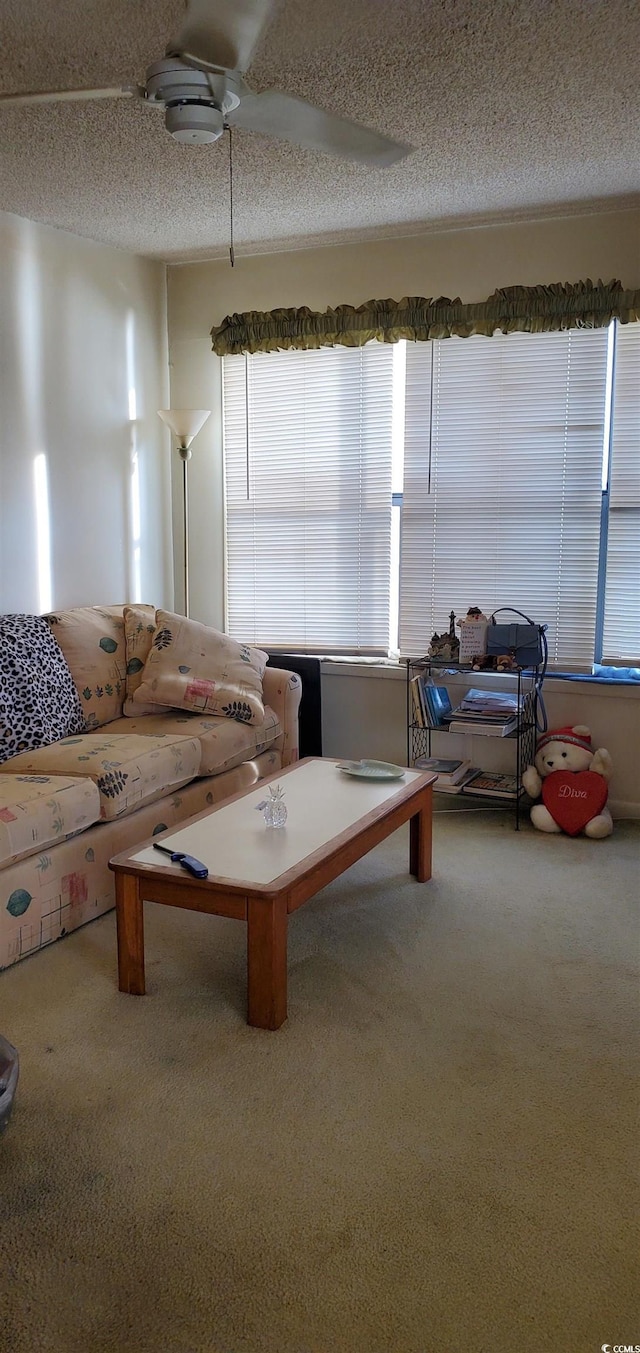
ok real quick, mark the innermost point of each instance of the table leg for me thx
(267, 962)
(130, 928)
(420, 841)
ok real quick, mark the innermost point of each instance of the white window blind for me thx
(308, 441)
(503, 482)
(621, 637)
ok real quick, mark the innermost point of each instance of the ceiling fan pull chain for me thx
(231, 249)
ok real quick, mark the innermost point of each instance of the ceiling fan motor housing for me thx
(197, 123)
(196, 102)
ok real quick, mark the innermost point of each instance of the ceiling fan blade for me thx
(221, 36)
(294, 120)
(70, 95)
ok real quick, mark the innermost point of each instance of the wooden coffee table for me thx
(259, 875)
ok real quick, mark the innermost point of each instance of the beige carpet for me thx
(434, 1154)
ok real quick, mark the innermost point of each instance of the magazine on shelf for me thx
(489, 704)
(487, 729)
(493, 783)
(440, 765)
(446, 787)
(475, 715)
(448, 771)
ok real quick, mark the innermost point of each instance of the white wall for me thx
(364, 714)
(82, 337)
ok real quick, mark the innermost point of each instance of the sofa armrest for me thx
(282, 691)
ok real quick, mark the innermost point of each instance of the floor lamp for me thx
(185, 425)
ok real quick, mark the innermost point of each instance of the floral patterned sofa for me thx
(117, 722)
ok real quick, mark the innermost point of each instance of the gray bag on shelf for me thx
(526, 643)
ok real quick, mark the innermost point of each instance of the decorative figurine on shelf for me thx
(274, 808)
(473, 635)
(573, 781)
(446, 647)
(506, 662)
(484, 662)
(474, 616)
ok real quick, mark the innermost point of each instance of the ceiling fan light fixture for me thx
(194, 123)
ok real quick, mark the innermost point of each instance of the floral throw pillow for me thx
(191, 666)
(92, 640)
(39, 703)
(139, 629)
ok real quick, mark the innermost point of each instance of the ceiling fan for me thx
(201, 88)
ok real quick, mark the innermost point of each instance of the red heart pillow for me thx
(574, 797)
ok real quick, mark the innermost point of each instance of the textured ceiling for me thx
(515, 108)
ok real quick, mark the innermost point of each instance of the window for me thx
(621, 629)
(503, 476)
(371, 491)
(308, 468)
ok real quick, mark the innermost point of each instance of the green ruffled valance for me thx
(540, 309)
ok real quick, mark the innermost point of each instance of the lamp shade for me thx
(185, 423)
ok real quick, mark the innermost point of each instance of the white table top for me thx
(234, 843)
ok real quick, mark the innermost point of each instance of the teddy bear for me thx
(573, 781)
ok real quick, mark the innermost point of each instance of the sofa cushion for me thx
(92, 640)
(37, 811)
(193, 667)
(38, 700)
(224, 742)
(139, 629)
(128, 769)
(55, 891)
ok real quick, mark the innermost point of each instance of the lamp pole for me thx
(185, 424)
(185, 455)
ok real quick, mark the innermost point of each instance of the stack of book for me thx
(492, 713)
(494, 785)
(431, 704)
(452, 775)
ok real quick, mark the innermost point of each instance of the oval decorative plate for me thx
(372, 770)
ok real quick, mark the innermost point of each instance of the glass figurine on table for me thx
(273, 807)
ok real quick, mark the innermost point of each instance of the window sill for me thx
(583, 684)
(364, 667)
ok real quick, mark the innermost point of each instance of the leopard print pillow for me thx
(39, 703)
